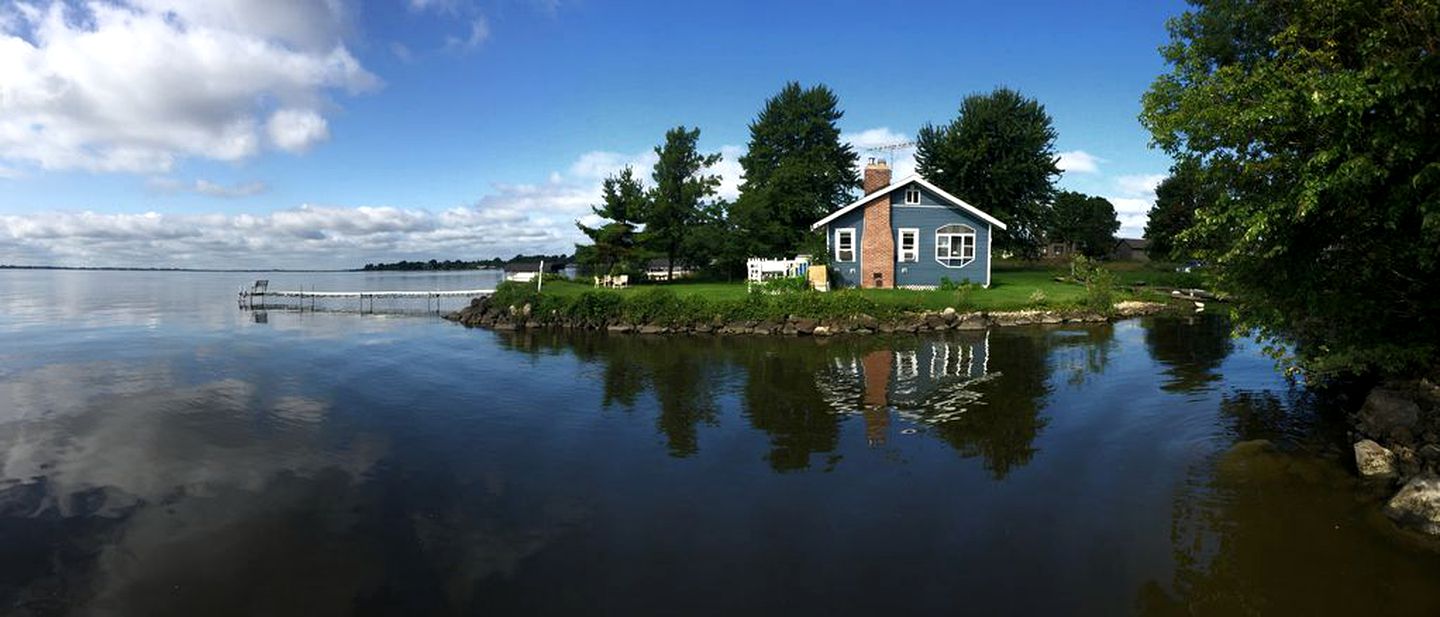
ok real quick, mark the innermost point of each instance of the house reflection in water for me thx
(922, 381)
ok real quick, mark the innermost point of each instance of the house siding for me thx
(927, 216)
(846, 274)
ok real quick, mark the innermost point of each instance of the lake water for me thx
(165, 452)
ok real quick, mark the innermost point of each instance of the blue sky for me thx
(320, 132)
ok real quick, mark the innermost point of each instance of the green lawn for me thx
(1012, 288)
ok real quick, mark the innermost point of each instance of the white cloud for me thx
(902, 160)
(479, 33)
(1133, 196)
(206, 187)
(1080, 162)
(515, 218)
(295, 130)
(135, 87)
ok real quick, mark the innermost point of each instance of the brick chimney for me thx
(877, 176)
(877, 246)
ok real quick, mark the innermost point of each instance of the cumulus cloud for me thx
(1080, 162)
(514, 218)
(205, 187)
(136, 86)
(1133, 196)
(902, 160)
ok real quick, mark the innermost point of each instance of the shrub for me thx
(1099, 283)
(786, 284)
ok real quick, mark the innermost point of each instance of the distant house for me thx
(907, 233)
(526, 271)
(1131, 249)
(659, 270)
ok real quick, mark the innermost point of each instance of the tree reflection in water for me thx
(980, 392)
(1191, 348)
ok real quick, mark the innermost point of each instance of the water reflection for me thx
(985, 403)
(333, 464)
(1191, 347)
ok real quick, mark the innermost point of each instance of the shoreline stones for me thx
(482, 313)
(1398, 440)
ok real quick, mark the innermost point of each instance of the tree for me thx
(614, 243)
(998, 154)
(682, 189)
(1085, 222)
(1176, 200)
(797, 170)
(1321, 121)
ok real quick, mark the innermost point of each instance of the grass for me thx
(1014, 286)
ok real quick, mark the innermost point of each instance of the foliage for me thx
(613, 246)
(1085, 222)
(1176, 200)
(1099, 283)
(796, 171)
(1321, 121)
(457, 264)
(999, 155)
(682, 188)
(784, 284)
(1038, 298)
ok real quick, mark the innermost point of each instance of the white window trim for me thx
(950, 261)
(909, 192)
(854, 250)
(901, 255)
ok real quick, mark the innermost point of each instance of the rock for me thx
(948, 311)
(789, 330)
(935, 321)
(619, 328)
(1050, 317)
(703, 328)
(806, 326)
(766, 327)
(865, 321)
(1417, 505)
(820, 331)
(1430, 452)
(1389, 412)
(1374, 460)
(972, 321)
(653, 329)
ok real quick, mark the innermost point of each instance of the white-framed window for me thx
(955, 245)
(845, 244)
(912, 195)
(907, 245)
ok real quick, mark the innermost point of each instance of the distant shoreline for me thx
(124, 269)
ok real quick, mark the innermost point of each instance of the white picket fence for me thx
(759, 269)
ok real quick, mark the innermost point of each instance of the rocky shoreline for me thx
(483, 313)
(1397, 444)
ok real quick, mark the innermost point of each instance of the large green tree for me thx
(1321, 121)
(1176, 199)
(1085, 222)
(681, 197)
(796, 170)
(613, 244)
(999, 155)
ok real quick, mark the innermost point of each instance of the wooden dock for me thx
(260, 295)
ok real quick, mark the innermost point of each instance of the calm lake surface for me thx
(165, 453)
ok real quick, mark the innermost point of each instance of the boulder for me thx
(1374, 460)
(972, 321)
(653, 329)
(1417, 505)
(1389, 412)
(948, 311)
(820, 331)
(935, 321)
(806, 326)
(620, 328)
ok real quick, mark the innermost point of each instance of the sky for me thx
(333, 133)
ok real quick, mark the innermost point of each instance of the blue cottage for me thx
(908, 233)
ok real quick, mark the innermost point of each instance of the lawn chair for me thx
(622, 281)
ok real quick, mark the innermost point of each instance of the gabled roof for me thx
(902, 182)
(1134, 243)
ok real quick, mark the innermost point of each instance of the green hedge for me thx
(662, 306)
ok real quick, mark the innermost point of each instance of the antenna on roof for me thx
(889, 150)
